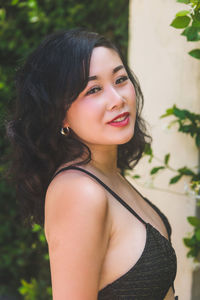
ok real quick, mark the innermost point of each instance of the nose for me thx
(115, 99)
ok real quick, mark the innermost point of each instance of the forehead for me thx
(103, 59)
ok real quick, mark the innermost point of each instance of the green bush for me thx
(24, 261)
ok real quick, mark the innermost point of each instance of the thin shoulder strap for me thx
(106, 187)
(157, 210)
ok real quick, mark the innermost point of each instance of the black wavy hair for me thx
(50, 80)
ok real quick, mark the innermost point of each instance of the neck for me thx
(105, 159)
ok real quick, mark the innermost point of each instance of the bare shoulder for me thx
(77, 228)
(72, 190)
(74, 179)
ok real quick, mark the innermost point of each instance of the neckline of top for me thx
(148, 228)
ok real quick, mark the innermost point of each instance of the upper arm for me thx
(76, 227)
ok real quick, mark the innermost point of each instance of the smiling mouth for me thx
(120, 122)
(120, 118)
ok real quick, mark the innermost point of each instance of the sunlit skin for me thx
(108, 93)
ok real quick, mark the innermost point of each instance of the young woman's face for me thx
(108, 93)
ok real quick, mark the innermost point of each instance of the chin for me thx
(126, 139)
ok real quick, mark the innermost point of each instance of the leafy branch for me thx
(189, 20)
(188, 123)
(193, 242)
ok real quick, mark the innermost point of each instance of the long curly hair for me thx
(47, 84)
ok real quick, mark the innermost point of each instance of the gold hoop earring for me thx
(65, 131)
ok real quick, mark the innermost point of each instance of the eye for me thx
(94, 90)
(121, 79)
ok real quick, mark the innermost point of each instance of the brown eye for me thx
(93, 90)
(121, 79)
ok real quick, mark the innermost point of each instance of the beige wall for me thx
(168, 75)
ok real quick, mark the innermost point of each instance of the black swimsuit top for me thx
(154, 272)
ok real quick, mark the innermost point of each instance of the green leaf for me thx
(36, 228)
(195, 22)
(148, 149)
(197, 16)
(14, 2)
(186, 171)
(183, 1)
(197, 140)
(192, 253)
(175, 179)
(172, 123)
(180, 113)
(188, 129)
(156, 169)
(136, 176)
(150, 159)
(46, 256)
(169, 112)
(167, 156)
(197, 234)
(32, 3)
(189, 242)
(194, 221)
(49, 291)
(42, 238)
(2, 14)
(195, 53)
(180, 22)
(182, 13)
(192, 33)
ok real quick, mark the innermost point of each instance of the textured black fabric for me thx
(152, 275)
(154, 272)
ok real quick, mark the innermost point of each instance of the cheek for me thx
(132, 90)
(131, 95)
(83, 113)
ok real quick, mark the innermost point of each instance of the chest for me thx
(128, 235)
(123, 218)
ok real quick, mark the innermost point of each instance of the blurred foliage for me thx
(24, 261)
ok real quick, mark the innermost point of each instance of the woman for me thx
(79, 105)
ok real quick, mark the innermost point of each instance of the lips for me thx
(120, 116)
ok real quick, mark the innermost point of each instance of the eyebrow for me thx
(115, 70)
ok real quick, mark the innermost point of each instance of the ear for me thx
(65, 122)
